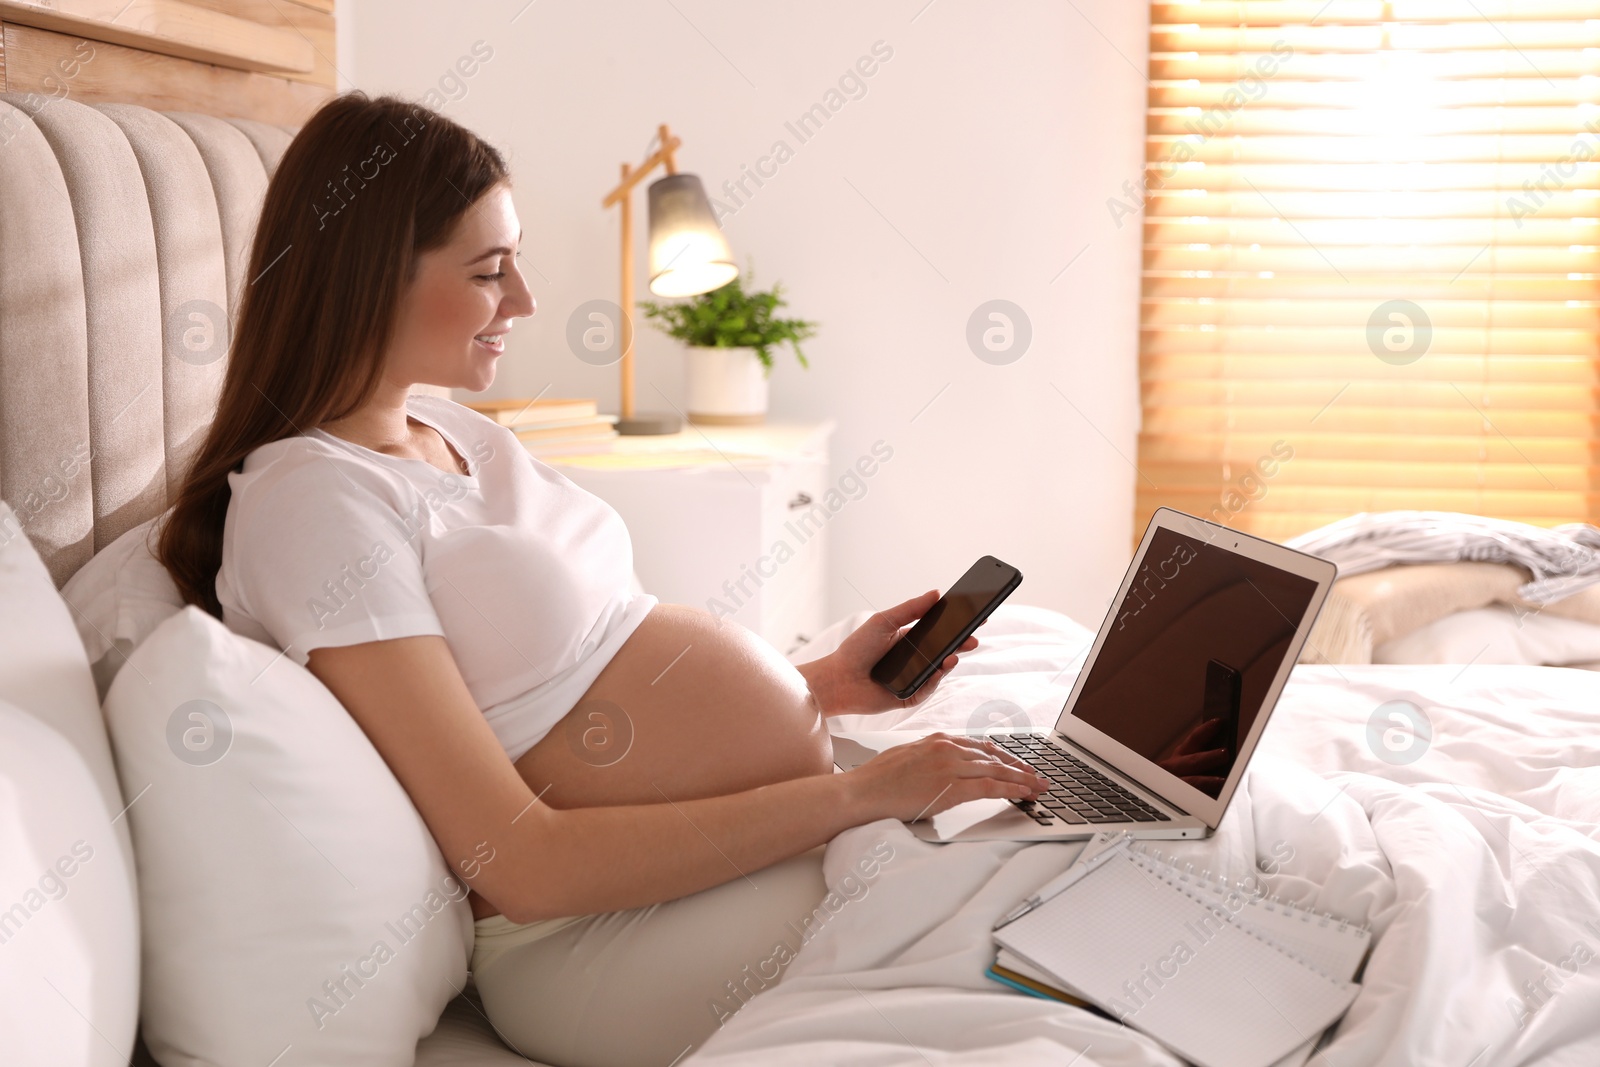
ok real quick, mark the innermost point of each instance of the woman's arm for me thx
(408, 696)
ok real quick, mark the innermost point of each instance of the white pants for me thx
(641, 988)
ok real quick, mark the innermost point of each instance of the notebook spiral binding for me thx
(1187, 873)
(1168, 872)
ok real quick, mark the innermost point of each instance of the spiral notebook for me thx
(1223, 977)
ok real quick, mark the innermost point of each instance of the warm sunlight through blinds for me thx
(1370, 260)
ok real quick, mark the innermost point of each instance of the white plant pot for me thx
(726, 386)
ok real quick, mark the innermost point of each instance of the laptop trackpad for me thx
(996, 818)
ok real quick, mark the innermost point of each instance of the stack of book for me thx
(553, 427)
(1016, 972)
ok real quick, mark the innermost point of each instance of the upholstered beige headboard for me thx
(124, 234)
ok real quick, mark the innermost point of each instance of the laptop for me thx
(1178, 686)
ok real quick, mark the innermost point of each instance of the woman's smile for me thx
(472, 282)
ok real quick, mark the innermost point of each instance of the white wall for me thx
(976, 166)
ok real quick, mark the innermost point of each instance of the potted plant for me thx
(729, 334)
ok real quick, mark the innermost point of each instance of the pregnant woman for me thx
(636, 793)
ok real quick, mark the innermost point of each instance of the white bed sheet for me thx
(1476, 864)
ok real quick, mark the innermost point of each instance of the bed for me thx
(1472, 846)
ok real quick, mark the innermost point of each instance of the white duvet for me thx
(1476, 864)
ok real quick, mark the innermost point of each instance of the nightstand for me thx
(730, 519)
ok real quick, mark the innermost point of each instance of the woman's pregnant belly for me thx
(690, 706)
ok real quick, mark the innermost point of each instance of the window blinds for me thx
(1370, 238)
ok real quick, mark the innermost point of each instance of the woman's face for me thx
(453, 318)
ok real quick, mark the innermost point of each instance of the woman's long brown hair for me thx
(366, 186)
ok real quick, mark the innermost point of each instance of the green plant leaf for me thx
(731, 317)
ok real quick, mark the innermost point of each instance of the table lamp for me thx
(688, 255)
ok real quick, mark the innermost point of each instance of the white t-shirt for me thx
(527, 577)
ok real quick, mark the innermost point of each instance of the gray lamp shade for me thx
(688, 253)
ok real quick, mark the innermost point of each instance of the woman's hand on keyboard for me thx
(924, 777)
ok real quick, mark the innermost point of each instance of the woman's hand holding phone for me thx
(911, 662)
(841, 680)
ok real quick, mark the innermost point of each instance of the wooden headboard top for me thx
(269, 60)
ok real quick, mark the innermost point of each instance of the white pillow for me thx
(1496, 634)
(291, 894)
(119, 597)
(43, 673)
(69, 948)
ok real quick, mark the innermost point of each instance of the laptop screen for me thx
(1190, 655)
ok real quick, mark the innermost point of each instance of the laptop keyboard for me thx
(1078, 794)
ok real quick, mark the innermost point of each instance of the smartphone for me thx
(911, 661)
(1223, 689)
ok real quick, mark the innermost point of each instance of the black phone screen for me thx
(934, 636)
(1223, 692)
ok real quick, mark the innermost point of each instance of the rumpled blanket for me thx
(1456, 811)
(1563, 560)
